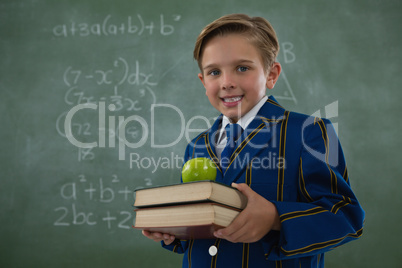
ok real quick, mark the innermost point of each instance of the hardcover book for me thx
(189, 221)
(200, 191)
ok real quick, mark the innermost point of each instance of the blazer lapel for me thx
(210, 144)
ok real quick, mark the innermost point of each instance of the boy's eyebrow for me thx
(234, 63)
(208, 66)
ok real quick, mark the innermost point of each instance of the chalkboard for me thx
(120, 75)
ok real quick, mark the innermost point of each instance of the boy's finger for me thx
(157, 235)
(237, 223)
(238, 235)
(147, 234)
(168, 237)
(244, 188)
(169, 240)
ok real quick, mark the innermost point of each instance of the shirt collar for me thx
(245, 120)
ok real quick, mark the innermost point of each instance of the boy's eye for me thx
(242, 68)
(214, 72)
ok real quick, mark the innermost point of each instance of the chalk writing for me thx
(107, 27)
(70, 216)
(76, 95)
(289, 56)
(121, 87)
(118, 75)
(96, 193)
(100, 193)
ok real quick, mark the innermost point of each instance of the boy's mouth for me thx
(232, 101)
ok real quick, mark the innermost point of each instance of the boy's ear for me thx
(273, 75)
(201, 77)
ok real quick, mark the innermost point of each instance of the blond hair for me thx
(257, 29)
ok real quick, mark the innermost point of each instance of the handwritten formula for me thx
(110, 26)
(100, 197)
(124, 86)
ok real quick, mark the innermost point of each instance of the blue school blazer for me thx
(296, 162)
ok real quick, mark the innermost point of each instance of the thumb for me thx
(244, 188)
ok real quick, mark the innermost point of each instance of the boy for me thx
(290, 166)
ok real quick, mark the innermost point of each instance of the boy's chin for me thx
(233, 117)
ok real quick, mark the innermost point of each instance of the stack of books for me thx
(188, 211)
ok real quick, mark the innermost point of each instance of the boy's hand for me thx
(254, 222)
(157, 237)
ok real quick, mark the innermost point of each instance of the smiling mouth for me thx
(232, 100)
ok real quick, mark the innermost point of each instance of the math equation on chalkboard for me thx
(92, 202)
(124, 88)
(95, 97)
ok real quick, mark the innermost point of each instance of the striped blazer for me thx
(296, 162)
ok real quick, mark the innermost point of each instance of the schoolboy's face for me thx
(233, 75)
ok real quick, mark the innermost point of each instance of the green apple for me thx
(198, 169)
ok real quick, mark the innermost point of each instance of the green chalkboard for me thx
(99, 98)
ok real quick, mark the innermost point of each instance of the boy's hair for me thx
(257, 29)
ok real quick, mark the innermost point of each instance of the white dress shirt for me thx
(244, 121)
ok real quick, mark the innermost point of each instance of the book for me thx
(199, 191)
(188, 221)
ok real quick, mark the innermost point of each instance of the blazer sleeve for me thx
(328, 214)
(178, 246)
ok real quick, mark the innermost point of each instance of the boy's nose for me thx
(228, 82)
